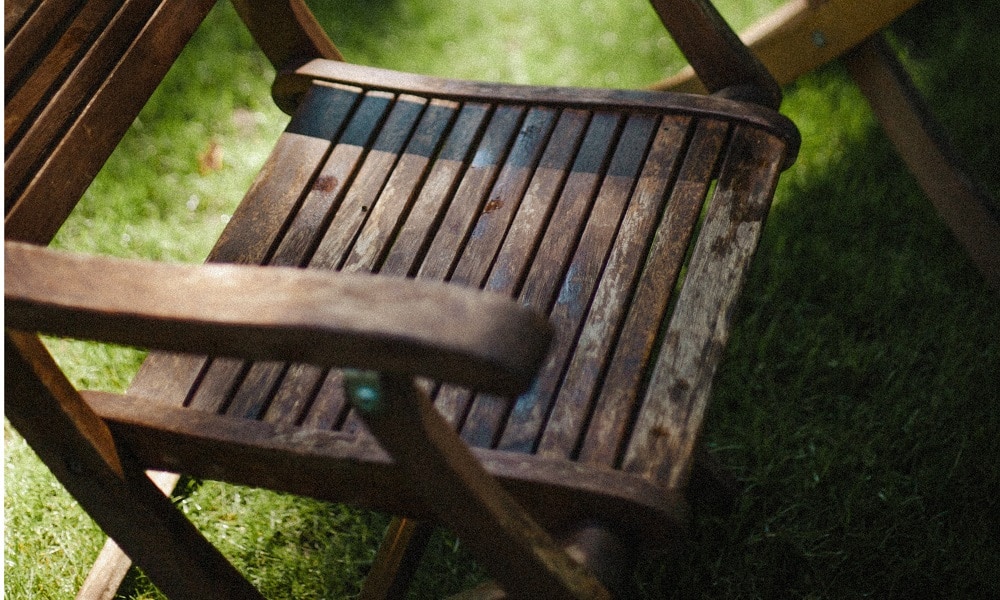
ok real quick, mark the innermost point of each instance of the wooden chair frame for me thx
(386, 331)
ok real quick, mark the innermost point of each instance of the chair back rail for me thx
(77, 74)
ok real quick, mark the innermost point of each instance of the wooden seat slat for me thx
(218, 385)
(471, 195)
(295, 395)
(256, 390)
(485, 417)
(535, 210)
(334, 163)
(379, 160)
(298, 242)
(400, 192)
(504, 199)
(414, 238)
(662, 443)
(531, 409)
(622, 383)
(597, 336)
(30, 28)
(39, 108)
(330, 407)
(15, 13)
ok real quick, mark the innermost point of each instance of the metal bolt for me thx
(364, 388)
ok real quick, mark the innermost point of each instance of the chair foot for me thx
(397, 559)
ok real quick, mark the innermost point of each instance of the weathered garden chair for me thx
(556, 271)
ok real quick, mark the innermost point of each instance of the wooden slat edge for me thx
(47, 201)
(293, 83)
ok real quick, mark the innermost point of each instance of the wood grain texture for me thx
(352, 468)
(623, 379)
(572, 203)
(44, 106)
(802, 35)
(286, 31)
(296, 82)
(275, 313)
(669, 420)
(718, 56)
(36, 209)
(526, 420)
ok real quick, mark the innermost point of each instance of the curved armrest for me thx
(395, 325)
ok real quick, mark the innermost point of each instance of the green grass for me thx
(857, 403)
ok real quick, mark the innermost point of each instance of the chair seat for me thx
(590, 206)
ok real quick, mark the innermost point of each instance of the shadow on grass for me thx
(857, 403)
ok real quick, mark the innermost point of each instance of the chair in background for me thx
(802, 35)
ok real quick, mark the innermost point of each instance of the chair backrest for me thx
(76, 76)
(288, 34)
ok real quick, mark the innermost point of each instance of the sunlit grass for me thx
(857, 402)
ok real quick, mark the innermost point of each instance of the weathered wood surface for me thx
(581, 213)
(323, 319)
(718, 56)
(510, 545)
(580, 204)
(397, 559)
(112, 564)
(286, 31)
(666, 429)
(344, 467)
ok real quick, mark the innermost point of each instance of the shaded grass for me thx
(857, 402)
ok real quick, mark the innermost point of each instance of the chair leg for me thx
(603, 551)
(78, 449)
(112, 564)
(599, 548)
(499, 533)
(962, 204)
(397, 559)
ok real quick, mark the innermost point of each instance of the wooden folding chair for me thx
(555, 272)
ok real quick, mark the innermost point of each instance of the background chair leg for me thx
(397, 559)
(969, 211)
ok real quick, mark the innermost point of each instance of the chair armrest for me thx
(463, 336)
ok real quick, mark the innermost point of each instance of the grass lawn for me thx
(858, 401)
